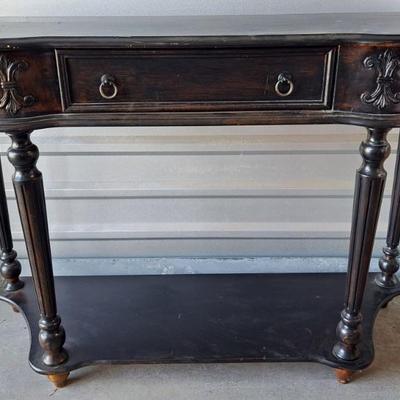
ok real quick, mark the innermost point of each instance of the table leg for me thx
(370, 182)
(28, 186)
(388, 262)
(10, 266)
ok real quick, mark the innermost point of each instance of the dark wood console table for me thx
(305, 69)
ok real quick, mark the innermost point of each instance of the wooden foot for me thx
(59, 380)
(344, 375)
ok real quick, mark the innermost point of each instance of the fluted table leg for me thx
(10, 266)
(370, 182)
(388, 262)
(28, 185)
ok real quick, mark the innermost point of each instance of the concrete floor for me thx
(212, 381)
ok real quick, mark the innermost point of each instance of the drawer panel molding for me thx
(195, 80)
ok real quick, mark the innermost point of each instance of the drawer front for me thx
(195, 80)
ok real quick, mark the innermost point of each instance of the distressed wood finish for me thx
(196, 80)
(204, 71)
(10, 266)
(202, 318)
(388, 263)
(28, 186)
(370, 182)
(244, 94)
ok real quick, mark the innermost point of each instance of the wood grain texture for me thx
(10, 266)
(201, 318)
(190, 80)
(161, 80)
(39, 79)
(370, 182)
(28, 186)
(214, 80)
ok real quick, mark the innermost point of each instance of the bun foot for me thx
(58, 380)
(344, 375)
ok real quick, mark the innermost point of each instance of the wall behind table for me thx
(190, 7)
(199, 191)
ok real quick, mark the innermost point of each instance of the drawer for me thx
(195, 79)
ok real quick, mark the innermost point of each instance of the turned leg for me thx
(344, 375)
(10, 266)
(370, 182)
(388, 262)
(59, 380)
(28, 186)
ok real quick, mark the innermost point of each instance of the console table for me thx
(304, 69)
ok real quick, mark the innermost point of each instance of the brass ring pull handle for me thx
(284, 86)
(108, 80)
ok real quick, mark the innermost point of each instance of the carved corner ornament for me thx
(386, 65)
(11, 101)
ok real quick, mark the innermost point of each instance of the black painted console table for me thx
(305, 69)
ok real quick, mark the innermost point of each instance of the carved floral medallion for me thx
(11, 101)
(386, 65)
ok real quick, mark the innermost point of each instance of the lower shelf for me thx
(200, 318)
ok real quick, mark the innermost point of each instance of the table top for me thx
(53, 53)
(251, 25)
